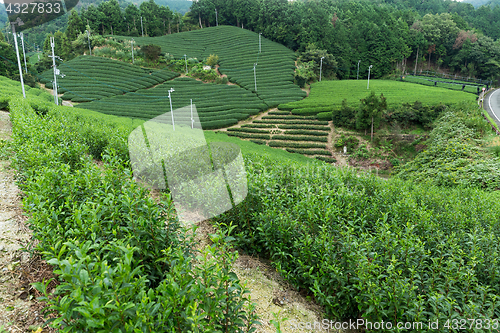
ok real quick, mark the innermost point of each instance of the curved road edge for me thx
(492, 105)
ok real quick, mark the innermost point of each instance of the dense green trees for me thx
(8, 60)
(382, 33)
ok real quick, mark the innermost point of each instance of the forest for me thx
(391, 35)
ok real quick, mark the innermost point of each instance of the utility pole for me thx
(260, 34)
(369, 68)
(132, 45)
(54, 88)
(88, 37)
(171, 111)
(24, 53)
(320, 68)
(357, 76)
(255, 76)
(185, 59)
(18, 59)
(416, 62)
(142, 28)
(216, 19)
(192, 120)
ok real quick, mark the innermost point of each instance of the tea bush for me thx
(454, 154)
(124, 263)
(375, 249)
(350, 141)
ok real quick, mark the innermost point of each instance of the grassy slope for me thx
(12, 88)
(328, 93)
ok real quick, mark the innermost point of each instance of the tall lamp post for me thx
(132, 45)
(18, 59)
(88, 37)
(24, 53)
(185, 59)
(320, 68)
(171, 111)
(357, 76)
(255, 76)
(260, 34)
(368, 85)
(142, 28)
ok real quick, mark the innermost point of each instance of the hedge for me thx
(309, 152)
(299, 138)
(250, 135)
(296, 144)
(305, 132)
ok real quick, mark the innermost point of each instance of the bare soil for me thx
(19, 309)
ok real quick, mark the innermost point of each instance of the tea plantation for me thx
(238, 51)
(92, 78)
(381, 250)
(217, 105)
(296, 134)
(328, 95)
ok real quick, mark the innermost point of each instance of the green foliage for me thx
(361, 153)
(212, 60)
(329, 95)
(374, 249)
(310, 60)
(275, 63)
(304, 73)
(370, 112)
(8, 61)
(345, 116)
(326, 159)
(93, 78)
(217, 105)
(151, 52)
(309, 151)
(296, 144)
(250, 135)
(123, 261)
(454, 155)
(325, 116)
(299, 138)
(350, 141)
(415, 114)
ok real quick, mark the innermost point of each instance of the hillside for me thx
(238, 51)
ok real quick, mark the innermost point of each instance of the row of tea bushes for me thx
(90, 78)
(381, 250)
(238, 51)
(297, 134)
(217, 105)
(124, 263)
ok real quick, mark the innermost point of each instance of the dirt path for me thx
(18, 311)
(51, 91)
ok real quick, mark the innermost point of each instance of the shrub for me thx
(212, 60)
(350, 141)
(151, 52)
(122, 260)
(296, 144)
(325, 116)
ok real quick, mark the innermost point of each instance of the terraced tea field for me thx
(238, 51)
(217, 105)
(445, 83)
(90, 78)
(328, 95)
(296, 134)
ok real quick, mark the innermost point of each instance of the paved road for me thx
(492, 105)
